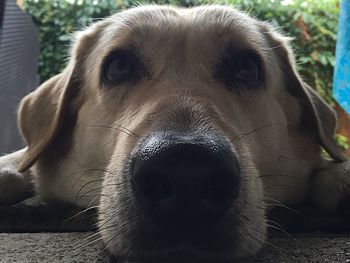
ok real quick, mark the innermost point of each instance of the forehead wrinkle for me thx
(222, 16)
(229, 27)
(161, 18)
(134, 27)
(153, 23)
(154, 17)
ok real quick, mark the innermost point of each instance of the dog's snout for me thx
(184, 178)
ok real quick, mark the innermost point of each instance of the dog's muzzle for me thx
(185, 180)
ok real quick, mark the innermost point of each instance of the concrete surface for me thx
(72, 247)
(48, 247)
(41, 233)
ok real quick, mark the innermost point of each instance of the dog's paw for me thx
(14, 186)
(331, 185)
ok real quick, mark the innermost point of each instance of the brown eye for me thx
(246, 68)
(240, 70)
(121, 66)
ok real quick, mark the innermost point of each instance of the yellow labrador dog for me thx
(182, 126)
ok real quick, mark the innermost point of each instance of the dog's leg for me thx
(331, 185)
(14, 186)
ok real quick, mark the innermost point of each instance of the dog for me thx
(184, 126)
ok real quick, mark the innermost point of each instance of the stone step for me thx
(77, 247)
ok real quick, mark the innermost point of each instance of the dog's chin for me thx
(205, 245)
(181, 252)
(185, 254)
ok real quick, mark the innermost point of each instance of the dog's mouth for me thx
(198, 247)
(182, 253)
(218, 242)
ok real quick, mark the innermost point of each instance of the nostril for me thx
(155, 186)
(217, 190)
(179, 179)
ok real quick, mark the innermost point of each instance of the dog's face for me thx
(196, 116)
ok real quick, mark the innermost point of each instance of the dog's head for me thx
(196, 116)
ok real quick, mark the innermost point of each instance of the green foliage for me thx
(56, 20)
(343, 141)
(312, 24)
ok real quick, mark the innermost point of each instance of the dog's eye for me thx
(247, 68)
(243, 69)
(121, 66)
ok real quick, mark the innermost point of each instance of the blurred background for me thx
(313, 24)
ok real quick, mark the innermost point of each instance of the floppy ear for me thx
(322, 117)
(43, 112)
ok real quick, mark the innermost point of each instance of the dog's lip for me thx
(184, 252)
(197, 246)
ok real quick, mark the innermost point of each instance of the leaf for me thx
(65, 38)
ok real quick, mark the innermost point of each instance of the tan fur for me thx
(80, 135)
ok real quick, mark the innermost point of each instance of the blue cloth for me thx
(341, 84)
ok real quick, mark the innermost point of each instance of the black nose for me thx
(185, 178)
